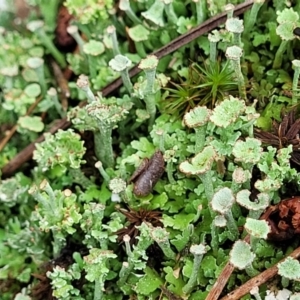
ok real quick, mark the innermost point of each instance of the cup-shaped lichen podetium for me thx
(258, 229)
(222, 202)
(241, 257)
(234, 54)
(198, 251)
(255, 207)
(247, 152)
(37, 64)
(93, 49)
(107, 118)
(213, 38)
(111, 32)
(139, 34)
(117, 187)
(37, 27)
(155, 13)
(121, 63)
(84, 84)
(161, 237)
(289, 269)
(148, 89)
(228, 112)
(201, 165)
(235, 26)
(240, 177)
(198, 118)
(287, 21)
(74, 32)
(124, 5)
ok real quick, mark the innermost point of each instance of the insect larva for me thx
(146, 177)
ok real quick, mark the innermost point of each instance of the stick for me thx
(257, 280)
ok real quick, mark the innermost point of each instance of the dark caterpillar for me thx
(147, 174)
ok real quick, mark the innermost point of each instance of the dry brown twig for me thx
(257, 280)
(221, 281)
(62, 83)
(9, 135)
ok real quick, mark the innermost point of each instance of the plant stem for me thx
(240, 78)
(251, 271)
(103, 146)
(208, 185)
(279, 54)
(295, 85)
(51, 48)
(201, 11)
(166, 249)
(231, 225)
(103, 173)
(170, 172)
(92, 66)
(80, 178)
(198, 255)
(200, 138)
(98, 293)
(111, 30)
(140, 49)
(214, 238)
(126, 80)
(151, 108)
(171, 15)
(212, 51)
(250, 18)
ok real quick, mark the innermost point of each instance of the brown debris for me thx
(136, 218)
(43, 290)
(63, 40)
(147, 175)
(289, 211)
(257, 280)
(283, 134)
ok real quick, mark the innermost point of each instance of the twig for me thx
(62, 82)
(8, 136)
(182, 40)
(257, 280)
(221, 281)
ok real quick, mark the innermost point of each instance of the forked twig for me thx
(257, 280)
(12, 131)
(221, 281)
(62, 83)
(182, 40)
